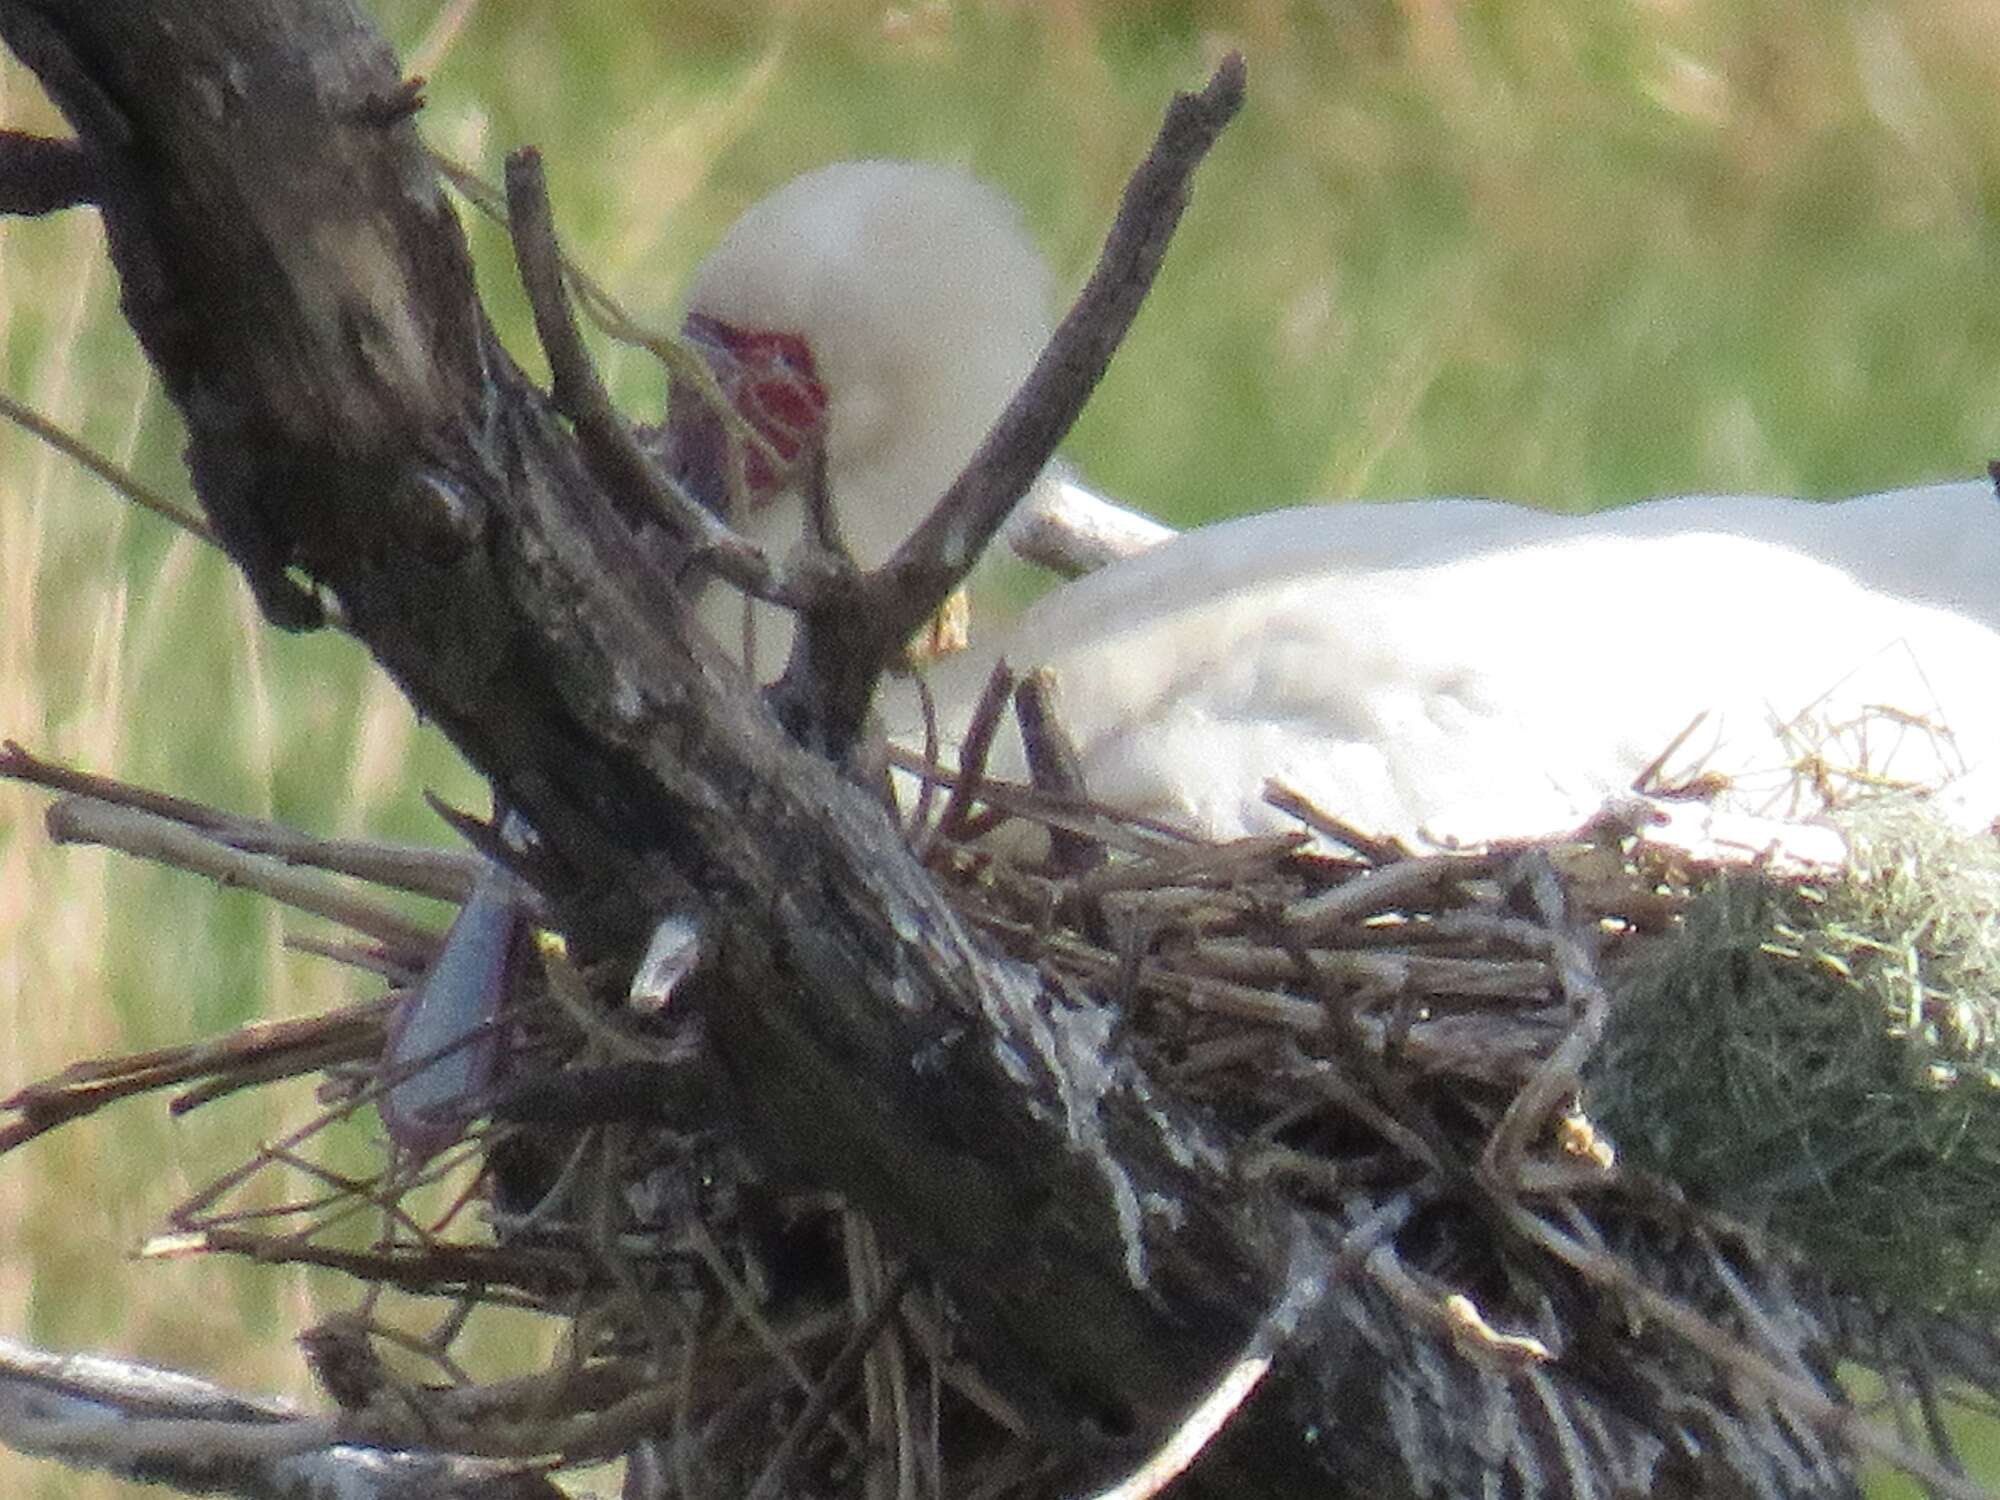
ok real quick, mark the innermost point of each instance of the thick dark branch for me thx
(846, 642)
(295, 273)
(943, 550)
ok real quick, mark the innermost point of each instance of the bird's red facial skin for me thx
(770, 380)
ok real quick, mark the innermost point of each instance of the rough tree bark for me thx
(296, 276)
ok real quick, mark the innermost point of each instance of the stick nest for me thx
(1797, 1076)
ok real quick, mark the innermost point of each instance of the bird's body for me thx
(1939, 543)
(1463, 669)
(1477, 690)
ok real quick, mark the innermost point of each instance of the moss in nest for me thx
(1825, 1057)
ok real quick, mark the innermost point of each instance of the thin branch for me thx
(1129, 832)
(1391, 886)
(446, 874)
(83, 820)
(262, 1049)
(163, 1427)
(1557, 1079)
(679, 360)
(847, 642)
(41, 175)
(1054, 766)
(1800, 1397)
(121, 480)
(431, 1270)
(833, 1380)
(954, 535)
(18, 763)
(994, 700)
(606, 438)
(1375, 850)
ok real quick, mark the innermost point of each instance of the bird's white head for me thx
(887, 310)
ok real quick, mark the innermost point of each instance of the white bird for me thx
(887, 309)
(1505, 692)
(1462, 670)
(1938, 543)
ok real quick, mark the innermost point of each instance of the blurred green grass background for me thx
(1561, 251)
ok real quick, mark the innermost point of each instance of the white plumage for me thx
(1462, 670)
(924, 305)
(1504, 691)
(1936, 543)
